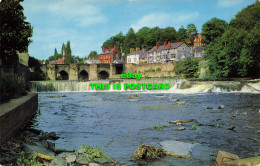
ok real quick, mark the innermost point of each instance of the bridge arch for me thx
(103, 75)
(62, 75)
(83, 75)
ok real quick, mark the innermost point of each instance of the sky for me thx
(89, 23)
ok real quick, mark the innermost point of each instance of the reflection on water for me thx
(111, 121)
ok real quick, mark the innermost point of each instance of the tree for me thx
(168, 34)
(236, 52)
(141, 36)
(130, 41)
(213, 29)
(93, 55)
(191, 32)
(55, 52)
(68, 50)
(188, 67)
(182, 34)
(15, 31)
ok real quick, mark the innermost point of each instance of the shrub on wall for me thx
(188, 67)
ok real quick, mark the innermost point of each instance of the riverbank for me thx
(35, 147)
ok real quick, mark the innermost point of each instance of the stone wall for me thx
(15, 114)
(165, 69)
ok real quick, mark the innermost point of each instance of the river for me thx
(119, 121)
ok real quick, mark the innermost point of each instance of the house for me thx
(110, 55)
(198, 40)
(168, 52)
(59, 61)
(134, 56)
(143, 58)
(198, 52)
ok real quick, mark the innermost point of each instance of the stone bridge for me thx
(82, 71)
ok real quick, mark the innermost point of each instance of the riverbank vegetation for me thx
(12, 87)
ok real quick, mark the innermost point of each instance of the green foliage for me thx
(188, 67)
(12, 87)
(236, 52)
(94, 152)
(130, 41)
(149, 70)
(182, 34)
(15, 31)
(93, 55)
(191, 32)
(28, 160)
(37, 73)
(213, 29)
(195, 127)
(158, 69)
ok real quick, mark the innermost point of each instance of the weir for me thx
(176, 86)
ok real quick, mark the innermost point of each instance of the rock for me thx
(70, 158)
(232, 128)
(133, 100)
(181, 129)
(209, 107)
(53, 136)
(58, 161)
(93, 164)
(174, 100)
(180, 102)
(245, 162)
(30, 134)
(221, 107)
(80, 151)
(133, 96)
(224, 157)
(101, 160)
(37, 147)
(82, 159)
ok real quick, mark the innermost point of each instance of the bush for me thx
(12, 87)
(150, 70)
(158, 69)
(188, 67)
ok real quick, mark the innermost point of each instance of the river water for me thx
(119, 122)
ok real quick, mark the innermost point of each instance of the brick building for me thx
(110, 55)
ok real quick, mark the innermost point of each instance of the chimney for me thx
(164, 44)
(169, 45)
(157, 45)
(137, 49)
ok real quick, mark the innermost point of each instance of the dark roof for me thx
(162, 47)
(143, 56)
(140, 52)
(197, 49)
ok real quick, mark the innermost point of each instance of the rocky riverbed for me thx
(35, 147)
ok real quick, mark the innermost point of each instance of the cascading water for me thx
(177, 86)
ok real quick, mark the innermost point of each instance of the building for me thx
(143, 58)
(134, 56)
(198, 52)
(198, 40)
(91, 61)
(59, 61)
(169, 52)
(43, 62)
(110, 55)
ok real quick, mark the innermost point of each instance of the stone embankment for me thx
(15, 114)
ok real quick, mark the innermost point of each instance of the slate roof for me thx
(198, 49)
(141, 53)
(162, 47)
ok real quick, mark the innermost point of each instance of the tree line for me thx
(149, 37)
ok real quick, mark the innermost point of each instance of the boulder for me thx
(223, 157)
(93, 164)
(70, 158)
(252, 161)
(101, 160)
(82, 159)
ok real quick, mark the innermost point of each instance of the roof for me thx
(107, 52)
(141, 53)
(143, 56)
(162, 47)
(197, 49)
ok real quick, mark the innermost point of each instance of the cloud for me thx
(226, 3)
(165, 19)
